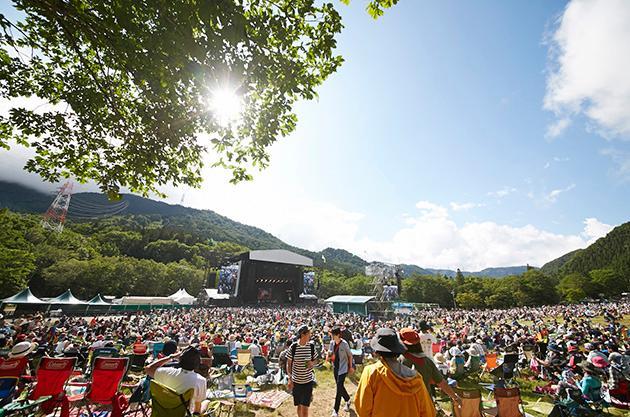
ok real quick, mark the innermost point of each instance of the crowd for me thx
(582, 347)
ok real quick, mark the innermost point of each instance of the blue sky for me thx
(456, 134)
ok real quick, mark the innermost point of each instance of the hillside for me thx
(554, 267)
(611, 251)
(198, 226)
(495, 272)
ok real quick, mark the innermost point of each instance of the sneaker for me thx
(334, 414)
(347, 406)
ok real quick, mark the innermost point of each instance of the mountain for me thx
(496, 272)
(413, 269)
(611, 251)
(554, 267)
(201, 225)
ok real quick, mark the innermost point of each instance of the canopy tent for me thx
(98, 301)
(66, 298)
(23, 297)
(182, 297)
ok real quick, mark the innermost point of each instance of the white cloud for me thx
(589, 67)
(552, 197)
(464, 206)
(561, 159)
(503, 192)
(433, 239)
(594, 229)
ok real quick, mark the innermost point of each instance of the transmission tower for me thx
(55, 216)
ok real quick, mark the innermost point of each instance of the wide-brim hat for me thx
(386, 341)
(22, 349)
(409, 336)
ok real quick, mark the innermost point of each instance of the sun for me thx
(226, 106)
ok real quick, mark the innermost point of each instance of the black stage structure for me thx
(270, 276)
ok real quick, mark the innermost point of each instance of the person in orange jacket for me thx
(388, 388)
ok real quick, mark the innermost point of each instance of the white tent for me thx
(182, 297)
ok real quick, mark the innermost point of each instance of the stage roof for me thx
(280, 256)
(23, 297)
(350, 299)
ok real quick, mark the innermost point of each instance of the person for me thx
(427, 339)
(254, 348)
(183, 378)
(340, 355)
(300, 364)
(388, 388)
(590, 385)
(416, 359)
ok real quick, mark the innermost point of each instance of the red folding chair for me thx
(11, 372)
(49, 391)
(103, 390)
(13, 367)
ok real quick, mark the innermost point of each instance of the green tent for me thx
(23, 297)
(98, 301)
(67, 298)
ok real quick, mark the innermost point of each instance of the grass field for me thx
(324, 395)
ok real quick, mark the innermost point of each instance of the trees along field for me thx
(137, 89)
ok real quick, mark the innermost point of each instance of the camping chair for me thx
(491, 363)
(13, 367)
(357, 356)
(471, 403)
(509, 366)
(220, 356)
(49, 390)
(435, 348)
(243, 357)
(102, 390)
(204, 367)
(260, 366)
(158, 347)
(137, 362)
(509, 403)
(8, 385)
(167, 403)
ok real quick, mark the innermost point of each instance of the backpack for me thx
(294, 349)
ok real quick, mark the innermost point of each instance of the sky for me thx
(456, 135)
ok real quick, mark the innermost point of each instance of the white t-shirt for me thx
(254, 349)
(181, 380)
(426, 341)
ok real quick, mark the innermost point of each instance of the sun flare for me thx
(225, 105)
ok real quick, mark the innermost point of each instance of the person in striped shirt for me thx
(300, 362)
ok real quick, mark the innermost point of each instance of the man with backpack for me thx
(300, 362)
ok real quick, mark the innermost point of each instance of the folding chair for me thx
(491, 363)
(509, 403)
(49, 391)
(13, 367)
(220, 356)
(103, 389)
(158, 347)
(167, 403)
(137, 362)
(260, 366)
(243, 357)
(471, 403)
(8, 386)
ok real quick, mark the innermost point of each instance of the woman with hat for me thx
(416, 359)
(591, 385)
(388, 388)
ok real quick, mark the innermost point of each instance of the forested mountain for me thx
(495, 272)
(611, 251)
(553, 267)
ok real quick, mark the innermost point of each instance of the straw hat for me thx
(22, 349)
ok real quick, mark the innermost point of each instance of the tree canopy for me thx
(130, 84)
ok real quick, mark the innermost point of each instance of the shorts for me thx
(303, 394)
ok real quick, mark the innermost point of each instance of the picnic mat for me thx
(269, 399)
